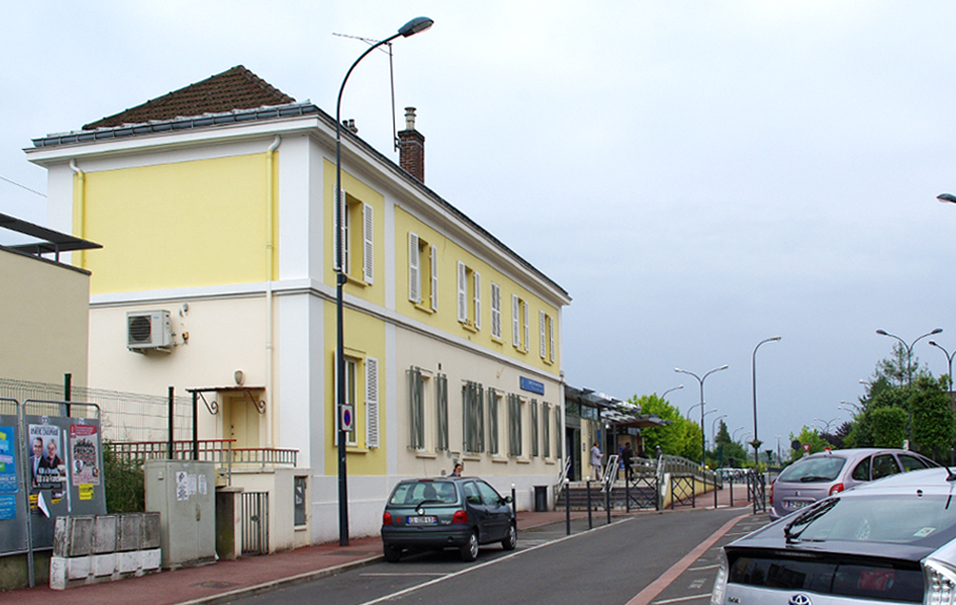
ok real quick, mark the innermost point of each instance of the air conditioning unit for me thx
(148, 330)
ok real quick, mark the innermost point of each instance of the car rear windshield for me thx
(825, 468)
(414, 493)
(877, 580)
(924, 520)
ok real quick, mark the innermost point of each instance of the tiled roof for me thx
(237, 88)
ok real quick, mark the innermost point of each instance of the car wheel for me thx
(393, 554)
(469, 550)
(511, 540)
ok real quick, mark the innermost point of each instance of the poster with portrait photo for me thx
(84, 454)
(47, 470)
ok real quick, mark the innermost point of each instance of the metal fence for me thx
(124, 416)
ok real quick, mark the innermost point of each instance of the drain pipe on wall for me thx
(79, 207)
(270, 276)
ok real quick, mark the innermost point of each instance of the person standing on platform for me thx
(596, 457)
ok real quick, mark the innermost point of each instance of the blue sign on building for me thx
(532, 386)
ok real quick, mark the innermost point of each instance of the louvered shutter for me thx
(527, 327)
(341, 243)
(551, 339)
(477, 300)
(495, 310)
(414, 270)
(462, 292)
(515, 321)
(542, 346)
(434, 262)
(371, 402)
(368, 251)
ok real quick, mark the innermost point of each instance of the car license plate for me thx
(795, 504)
(425, 520)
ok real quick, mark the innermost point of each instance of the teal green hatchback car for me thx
(447, 512)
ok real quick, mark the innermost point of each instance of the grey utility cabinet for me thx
(184, 494)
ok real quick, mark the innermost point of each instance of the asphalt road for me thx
(642, 559)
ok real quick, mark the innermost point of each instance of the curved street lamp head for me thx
(882, 332)
(946, 197)
(416, 25)
(936, 331)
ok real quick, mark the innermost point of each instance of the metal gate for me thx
(255, 523)
(683, 491)
(757, 485)
(642, 492)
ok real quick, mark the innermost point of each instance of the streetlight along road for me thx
(701, 379)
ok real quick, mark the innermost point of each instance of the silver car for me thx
(820, 475)
(890, 541)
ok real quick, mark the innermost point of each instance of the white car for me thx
(891, 541)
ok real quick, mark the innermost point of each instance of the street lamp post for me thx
(700, 380)
(909, 349)
(826, 424)
(753, 373)
(416, 25)
(678, 387)
(733, 437)
(949, 359)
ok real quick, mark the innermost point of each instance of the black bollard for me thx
(627, 492)
(567, 506)
(715, 490)
(607, 503)
(590, 523)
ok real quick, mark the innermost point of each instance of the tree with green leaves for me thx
(679, 437)
(896, 408)
(811, 436)
(726, 451)
(933, 421)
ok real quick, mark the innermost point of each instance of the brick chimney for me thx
(411, 145)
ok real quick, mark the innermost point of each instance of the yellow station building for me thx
(214, 207)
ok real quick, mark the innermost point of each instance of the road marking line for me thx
(516, 553)
(399, 574)
(657, 586)
(682, 599)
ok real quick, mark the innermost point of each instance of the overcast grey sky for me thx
(698, 176)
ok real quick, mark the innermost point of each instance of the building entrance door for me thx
(241, 421)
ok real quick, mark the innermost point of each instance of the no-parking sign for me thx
(346, 417)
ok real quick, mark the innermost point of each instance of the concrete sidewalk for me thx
(228, 580)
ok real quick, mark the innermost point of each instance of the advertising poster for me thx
(84, 455)
(8, 461)
(47, 470)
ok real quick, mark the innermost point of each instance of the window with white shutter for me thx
(371, 402)
(527, 328)
(368, 249)
(551, 339)
(462, 292)
(340, 262)
(542, 343)
(495, 310)
(477, 299)
(416, 409)
(414, 270)
(433, 255)
(515, 321)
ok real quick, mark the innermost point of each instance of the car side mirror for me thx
(507, 500)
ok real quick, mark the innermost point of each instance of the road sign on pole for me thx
(346, 417)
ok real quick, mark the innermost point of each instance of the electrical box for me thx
(184, 494)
